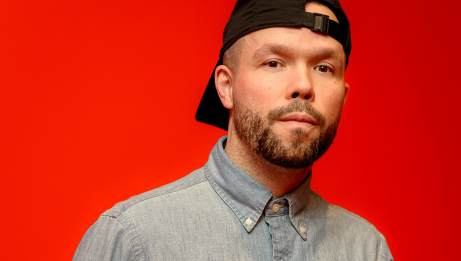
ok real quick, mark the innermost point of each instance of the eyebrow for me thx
(328, 52)
(272, 48)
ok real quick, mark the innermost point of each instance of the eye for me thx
(324, 69)
(273, 64)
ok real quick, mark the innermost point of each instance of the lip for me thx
(298, 118)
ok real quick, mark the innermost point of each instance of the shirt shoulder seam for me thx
(126, 232)
(132, 238)
(123, 206)
(342, 210)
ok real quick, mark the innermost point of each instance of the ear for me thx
(346, 91)
(223, 78)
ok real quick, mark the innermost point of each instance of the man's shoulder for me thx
(334, 227)
(189, 184)
(337, 220)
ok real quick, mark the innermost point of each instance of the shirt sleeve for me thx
(105, 240)
(385, 254)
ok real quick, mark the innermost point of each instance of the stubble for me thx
(257, 133)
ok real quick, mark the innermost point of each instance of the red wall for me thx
(97, 103)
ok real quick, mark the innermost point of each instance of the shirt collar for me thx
(247, 198)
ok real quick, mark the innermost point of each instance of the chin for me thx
(298, 135)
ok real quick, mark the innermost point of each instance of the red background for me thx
(97, 103)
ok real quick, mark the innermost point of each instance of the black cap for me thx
(252, 15)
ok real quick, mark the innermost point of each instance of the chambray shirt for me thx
(219, 212)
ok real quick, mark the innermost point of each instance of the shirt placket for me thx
(276, 215)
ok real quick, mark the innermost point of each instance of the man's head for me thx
(285, 89)
(252, 15)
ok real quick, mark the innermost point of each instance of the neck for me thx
(278, 180)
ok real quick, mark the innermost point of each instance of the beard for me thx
(257, 133)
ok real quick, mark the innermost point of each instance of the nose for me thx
(300, 84)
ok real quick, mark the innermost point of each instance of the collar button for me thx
(276, 208)
(248, 222)
(303, 230)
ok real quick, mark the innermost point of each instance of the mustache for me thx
(296, 106)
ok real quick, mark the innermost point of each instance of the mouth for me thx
(299, 120)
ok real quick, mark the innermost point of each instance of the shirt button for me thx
(303, 230)
(248, 222)
(276, 208)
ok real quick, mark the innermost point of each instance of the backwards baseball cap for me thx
(252, 15)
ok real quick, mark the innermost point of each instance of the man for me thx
(279, 89)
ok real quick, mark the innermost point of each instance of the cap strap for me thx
(323, 24)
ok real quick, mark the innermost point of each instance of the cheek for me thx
(259, 93)
(332, 101)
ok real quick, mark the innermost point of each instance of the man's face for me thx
(289, 93)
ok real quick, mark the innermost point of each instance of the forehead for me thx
(296, 42)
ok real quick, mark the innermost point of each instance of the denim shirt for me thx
(219, 212)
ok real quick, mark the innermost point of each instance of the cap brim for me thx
(210, 110)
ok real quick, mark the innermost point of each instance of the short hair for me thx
(231, 57)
